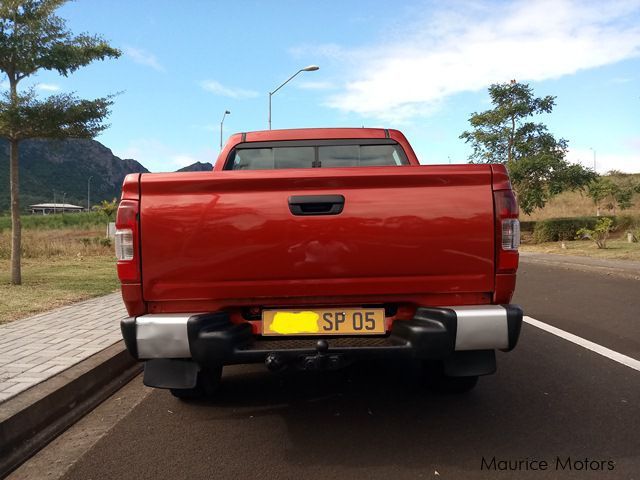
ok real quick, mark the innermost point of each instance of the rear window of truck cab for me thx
(325, 154)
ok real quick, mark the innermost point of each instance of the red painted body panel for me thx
(500, 177)
(411, 235)
(231, 235)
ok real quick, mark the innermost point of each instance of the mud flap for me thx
(170, 373)
(470, 363)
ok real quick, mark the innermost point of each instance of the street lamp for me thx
(310, 68)
(64, 194)
(89, 194)
(594, 158)
(226, 112)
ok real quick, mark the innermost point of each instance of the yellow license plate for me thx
(360, 321)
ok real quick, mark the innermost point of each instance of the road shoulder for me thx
(623, 268)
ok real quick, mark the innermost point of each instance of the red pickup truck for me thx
(312, 248)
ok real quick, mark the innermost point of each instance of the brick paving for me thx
(35, 348)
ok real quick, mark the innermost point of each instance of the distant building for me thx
(47, 208)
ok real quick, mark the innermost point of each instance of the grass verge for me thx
(54, 282)
(617, 249)
(58, 267)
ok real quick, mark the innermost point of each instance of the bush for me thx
(599, 233)
(559, 229)
(528, 226)
(627, 223)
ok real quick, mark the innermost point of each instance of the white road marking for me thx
(594, 347)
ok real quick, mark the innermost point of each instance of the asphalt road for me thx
(550, 400)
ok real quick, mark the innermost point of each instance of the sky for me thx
(422, 67)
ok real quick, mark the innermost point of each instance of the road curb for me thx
(36, 416)
(618, 268)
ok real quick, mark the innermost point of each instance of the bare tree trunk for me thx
(16, 227)
(511, 141)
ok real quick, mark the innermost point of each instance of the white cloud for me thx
(625, 162)
(621, 80)
(142, 57)
(231, 92)
(182, 160)
(329, 50)
(466, 46)
(160, 157)
(48, 87)
(209, 127)
(633, 143)
(322, 85)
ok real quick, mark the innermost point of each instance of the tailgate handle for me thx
(316, 204)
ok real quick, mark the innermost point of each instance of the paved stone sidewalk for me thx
(35, 348)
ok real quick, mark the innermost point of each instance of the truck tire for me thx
(206, 386)
(437, 381)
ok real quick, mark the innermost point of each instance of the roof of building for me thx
(55, 205)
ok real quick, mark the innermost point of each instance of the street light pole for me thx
(310, 68)
(89, 194)
(64, 194)
(226, 112)
(594, 158)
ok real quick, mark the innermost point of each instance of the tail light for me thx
(507, 231)
(510, 234)
(126, 242)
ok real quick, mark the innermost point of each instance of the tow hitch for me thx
(322, 360)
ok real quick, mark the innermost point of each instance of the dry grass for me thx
(59, 267)
(618, 249)
(57, 244)
(577, 204)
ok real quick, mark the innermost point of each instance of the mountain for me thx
(197, 167)
(64, 167)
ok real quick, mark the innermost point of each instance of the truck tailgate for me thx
(231, 234)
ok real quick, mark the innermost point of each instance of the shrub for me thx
(559, 229)
(108, 209)
(627, 223)
(599, 233)
(527, 226)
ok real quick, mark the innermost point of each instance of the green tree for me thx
(34, 38)
(534, 157)
(613, 191)
(599, 190)
(108, 209)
